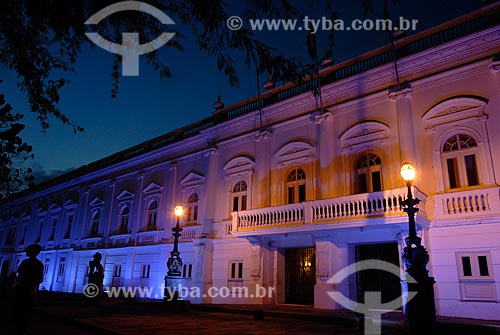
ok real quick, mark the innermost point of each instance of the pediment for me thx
(364, 132)
(455, 109)
(41, 211)
(69, 204)
(192, 179)
(295, 152)
(125, 195)
(54, 208)
(152, 188)
(96, 202)
(238, 165)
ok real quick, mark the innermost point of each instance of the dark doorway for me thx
(300, 276)
(377, 280)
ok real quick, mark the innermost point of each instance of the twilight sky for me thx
(148, 106)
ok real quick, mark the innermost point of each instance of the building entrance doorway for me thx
(300, 276)
(377, 280)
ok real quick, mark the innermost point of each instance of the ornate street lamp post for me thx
(420, 311)
(173, 279)
(174, 263)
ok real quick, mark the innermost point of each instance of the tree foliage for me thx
(13, 151)
(41, 40)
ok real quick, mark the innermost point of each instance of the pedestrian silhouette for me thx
(96, 275)
(30, 275)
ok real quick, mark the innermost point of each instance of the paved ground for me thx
(69, 314)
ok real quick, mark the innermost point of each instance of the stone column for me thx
(202, 269)
(138, 210)
(402, 97)
(326, 181)
(109, 227)
(82, 215)
(323, 258)
(495, 68)
(262, 194)
(210, 198)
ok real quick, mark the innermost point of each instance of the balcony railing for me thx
(466, 203)
(359, 206)
(189, 233)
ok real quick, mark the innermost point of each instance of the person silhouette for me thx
(96, 274)
(30, 275)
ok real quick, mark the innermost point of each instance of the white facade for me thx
(296, 199)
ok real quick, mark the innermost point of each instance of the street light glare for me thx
(178, 210)
(408, 172)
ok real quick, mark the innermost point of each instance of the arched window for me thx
(459, 158)
(369, 173)
(192, 208)
(152, 214)
(124, 218)
(296, 186)
(239, 196)
(94, 226)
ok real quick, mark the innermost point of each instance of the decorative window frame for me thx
(459, 115)
(69, 210)
(96, 206)
(24, 235)
(124, 199)
(361, 138)
(54, 214)
(240, 168)
(476, 287)
(296, 155)
(152, 192)
(295, 184)
(189, 209)
(194, 182)
(41, 219)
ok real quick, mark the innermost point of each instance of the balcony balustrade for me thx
(353, 207)
(467, 203)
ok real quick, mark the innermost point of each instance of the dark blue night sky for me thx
(148, 106)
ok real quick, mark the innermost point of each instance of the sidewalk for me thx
(116, 317)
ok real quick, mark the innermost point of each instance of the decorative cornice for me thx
(402, 93)
(172, 166)
(318, 119)
(263, 134)
(211, 151)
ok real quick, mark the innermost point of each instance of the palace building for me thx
(280, 193)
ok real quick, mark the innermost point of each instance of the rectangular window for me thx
(145, 270)
(46, 266)
(117, 271)
(471, 170)
(467, 268)
(291, 195)
(60, 271)
(53, 229)
(11, 236)
(187, 270)
(69, 226)
(39, 237)
(236, 270)
(195, 213)
(363, 185)
(483, 266)
(302, 193)
(243, 202)
(475, 267)
(453, 172)
(235, 204)
(376, 181)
